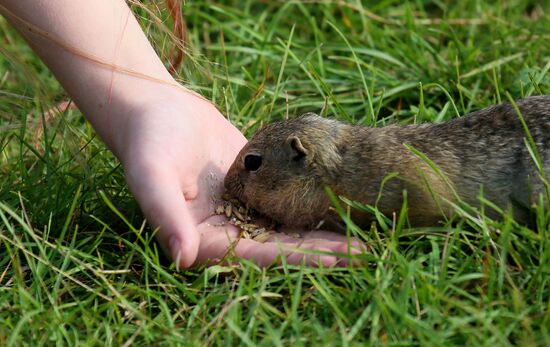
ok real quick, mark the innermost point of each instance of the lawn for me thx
(78, 265)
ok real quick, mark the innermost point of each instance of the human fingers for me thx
(162, 201)
(322, 235)
(344, 250)
(215, 244)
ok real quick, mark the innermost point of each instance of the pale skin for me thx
(175, 146)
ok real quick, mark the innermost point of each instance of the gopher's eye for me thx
(252, 162)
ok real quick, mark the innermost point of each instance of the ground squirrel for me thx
(283, 169)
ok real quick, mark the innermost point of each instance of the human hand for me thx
(175, 153)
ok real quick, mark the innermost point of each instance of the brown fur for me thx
(484, 150)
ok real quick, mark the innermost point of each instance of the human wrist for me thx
(143, 108)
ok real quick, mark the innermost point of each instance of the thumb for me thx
(163, 203)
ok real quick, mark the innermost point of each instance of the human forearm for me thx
(98, 52)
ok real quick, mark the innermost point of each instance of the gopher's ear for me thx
(298, 149)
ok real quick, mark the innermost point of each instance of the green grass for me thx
(77, 264)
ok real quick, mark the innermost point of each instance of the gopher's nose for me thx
(229, 178)
(233, 182)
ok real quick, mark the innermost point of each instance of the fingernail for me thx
(175, 250)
